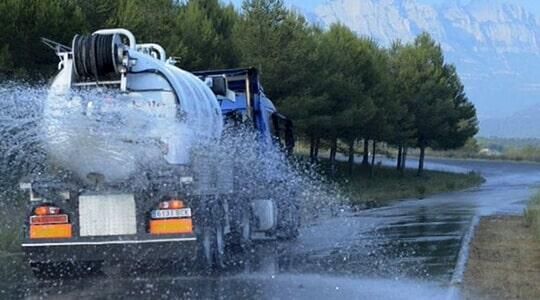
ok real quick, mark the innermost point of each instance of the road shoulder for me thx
(504, 260)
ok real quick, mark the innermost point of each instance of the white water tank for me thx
(163, 114)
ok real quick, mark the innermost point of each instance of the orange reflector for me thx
(56, 231)
(171, 226)
(48, 219)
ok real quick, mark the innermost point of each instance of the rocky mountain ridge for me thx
(480, 25)
(494, 44)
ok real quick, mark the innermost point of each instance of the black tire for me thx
(206, 247)
(246, 228)
(219, 253)
(289, 224)
(212, 246)
(240, 237)
(288, 234)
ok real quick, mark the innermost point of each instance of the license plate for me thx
(171, 213)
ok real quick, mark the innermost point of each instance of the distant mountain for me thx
(495, 45)
(522, 124)
(480, 26)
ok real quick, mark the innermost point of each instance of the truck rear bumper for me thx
(111, 250)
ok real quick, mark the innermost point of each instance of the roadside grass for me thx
(388, 184)
(532, 214)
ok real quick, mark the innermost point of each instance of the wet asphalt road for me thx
(407, 250)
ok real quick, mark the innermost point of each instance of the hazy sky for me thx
(532, 5)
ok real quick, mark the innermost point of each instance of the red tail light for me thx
(46, 210)
(172, 204)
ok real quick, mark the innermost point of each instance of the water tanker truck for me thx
(135, 164)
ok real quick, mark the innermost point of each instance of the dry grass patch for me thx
(504, 261)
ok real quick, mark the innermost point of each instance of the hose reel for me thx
(97, 56)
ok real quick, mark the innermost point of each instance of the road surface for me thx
(406, 250)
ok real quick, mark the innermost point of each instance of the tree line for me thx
(341, 90)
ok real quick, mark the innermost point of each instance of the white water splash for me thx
(35, 136)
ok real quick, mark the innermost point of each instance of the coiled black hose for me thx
(93, 56)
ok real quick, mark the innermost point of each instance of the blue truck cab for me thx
(242, 100)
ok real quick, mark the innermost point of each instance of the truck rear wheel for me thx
(245, 228)
(289, 223)
(220, 246)
(240, 237)
(212, 246)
